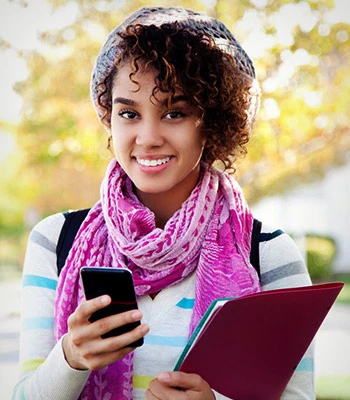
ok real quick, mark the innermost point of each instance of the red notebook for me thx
(248, 348)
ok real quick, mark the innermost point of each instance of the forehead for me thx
(126, 77)
(140, 83)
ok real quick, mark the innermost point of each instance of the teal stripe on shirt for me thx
(185, 303)
(19, 387)
(39, 281)
(306, 365)
(23, 395)
(170, 341)
(38, 323)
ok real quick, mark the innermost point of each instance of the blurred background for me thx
(296, 175)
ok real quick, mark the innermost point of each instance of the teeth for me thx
(153, 163)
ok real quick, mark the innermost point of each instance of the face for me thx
(159, 147)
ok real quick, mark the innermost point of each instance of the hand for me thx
(83, 346)
(177, 386)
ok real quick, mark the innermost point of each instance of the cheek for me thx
(117, 145)
(120, 137)
(194, 149)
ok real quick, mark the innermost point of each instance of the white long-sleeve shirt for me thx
(46, 375)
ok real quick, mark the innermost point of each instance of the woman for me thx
(176, 92)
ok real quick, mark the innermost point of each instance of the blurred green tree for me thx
(301, 60)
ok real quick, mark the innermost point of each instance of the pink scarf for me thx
(210, 233)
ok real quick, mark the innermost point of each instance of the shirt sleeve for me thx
(44, 372)
(282, 266)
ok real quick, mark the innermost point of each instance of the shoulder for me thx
(281, 262)
(46, 232)
(40, 258)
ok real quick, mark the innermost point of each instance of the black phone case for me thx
(119, 285)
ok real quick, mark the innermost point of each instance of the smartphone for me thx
(119, 285)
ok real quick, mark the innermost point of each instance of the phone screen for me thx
(118, 284)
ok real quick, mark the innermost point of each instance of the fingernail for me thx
(136, 315)
(164, 376)
(104, 299)
(145, 329)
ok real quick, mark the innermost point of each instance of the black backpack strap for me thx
(70, 227)
(254, 250)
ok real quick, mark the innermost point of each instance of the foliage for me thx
(11, 254)
(344, 295)
(302, 129)
(320, 252)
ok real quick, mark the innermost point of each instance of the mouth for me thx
(153, 162)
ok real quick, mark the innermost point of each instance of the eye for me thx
(174, 115)
(127, 114)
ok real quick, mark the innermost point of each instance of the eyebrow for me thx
(123, 100)
(132, 103)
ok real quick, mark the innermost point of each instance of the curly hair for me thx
(192, 63)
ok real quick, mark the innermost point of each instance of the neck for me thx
(163, 205)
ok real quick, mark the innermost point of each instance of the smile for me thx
(153, 163)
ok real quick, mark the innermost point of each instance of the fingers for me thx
(179, 385)
(83, 346)
(101, 352)
(81, 318)
(119, 342)
(181, 380)
(83, 312)
(150, 396)
(84, 350)
(81, 329)
(158, 390)
(106, 324)
(78, 322)
(88, 307)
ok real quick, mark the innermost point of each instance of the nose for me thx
(149, 134)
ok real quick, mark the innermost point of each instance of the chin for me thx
(151, 189)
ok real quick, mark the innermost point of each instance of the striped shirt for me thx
(46, 375)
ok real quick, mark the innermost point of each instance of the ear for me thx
(204, 141)
(110, 144)
(199, 124)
